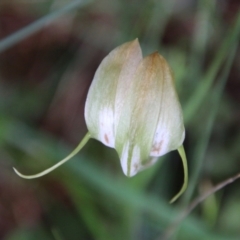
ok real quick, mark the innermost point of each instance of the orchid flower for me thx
(132, 106)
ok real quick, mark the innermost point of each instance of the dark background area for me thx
(44, 80)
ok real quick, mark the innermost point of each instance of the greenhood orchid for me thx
(132, 106)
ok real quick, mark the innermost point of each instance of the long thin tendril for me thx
(182, 154)
(72, 154)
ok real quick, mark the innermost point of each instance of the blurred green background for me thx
(49, 51)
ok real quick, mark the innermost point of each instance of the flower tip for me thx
(158, 57)
(129, 172)
(136, 40)
(134, 43)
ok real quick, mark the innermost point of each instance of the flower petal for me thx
(135, 131)
(170, 130)
(110, 82)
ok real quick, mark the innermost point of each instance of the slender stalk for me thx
(72, 154)
(181, 152)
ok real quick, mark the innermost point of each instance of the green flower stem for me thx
(181, 152)
(72, 154)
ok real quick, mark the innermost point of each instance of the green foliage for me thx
(89, 197)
